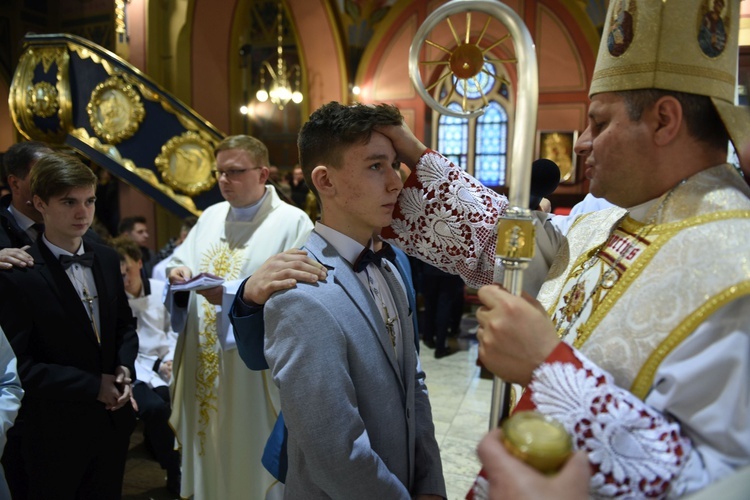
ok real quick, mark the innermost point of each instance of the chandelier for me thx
(281, 90)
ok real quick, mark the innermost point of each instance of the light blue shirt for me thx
(10, 399)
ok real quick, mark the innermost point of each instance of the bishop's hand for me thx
(515, 334)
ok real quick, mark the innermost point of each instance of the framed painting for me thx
(558, 147)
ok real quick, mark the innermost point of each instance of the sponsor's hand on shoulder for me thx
(280, 272)
(10, 257)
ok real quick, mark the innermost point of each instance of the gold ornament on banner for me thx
(42, 100)
(115, 110)
(186, 162)
(40, 89)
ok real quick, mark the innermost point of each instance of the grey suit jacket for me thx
(359, 420)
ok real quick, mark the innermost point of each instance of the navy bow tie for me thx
(368, 256)
(85, 259)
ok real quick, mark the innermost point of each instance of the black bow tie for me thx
(368, 256)
(85, 259)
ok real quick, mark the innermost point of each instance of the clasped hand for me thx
(115, 390)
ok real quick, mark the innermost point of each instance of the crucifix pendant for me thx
(389, 322)
(90, 302)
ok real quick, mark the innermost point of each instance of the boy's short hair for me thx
(255, 148)
(127, 248)
(18, 159)
(57, 173)
(334, 127)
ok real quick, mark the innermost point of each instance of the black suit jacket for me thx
(59, 359)
(11, 236)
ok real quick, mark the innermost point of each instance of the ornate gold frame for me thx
(42, 99)
(144, 173)
(28, 99)
(115, 110)
(185, 163)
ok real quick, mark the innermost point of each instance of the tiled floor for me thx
(460, 409)
(460, 406)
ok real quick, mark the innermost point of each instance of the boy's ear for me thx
(38, 204)
(322, 181)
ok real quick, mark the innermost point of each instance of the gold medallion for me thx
(115, 110)
(186, 162)
(42, 99)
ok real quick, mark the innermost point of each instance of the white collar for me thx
(57, 251)
(347, 247)
(22, 220)
(248, 213)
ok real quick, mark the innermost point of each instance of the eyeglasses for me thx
(232, 173)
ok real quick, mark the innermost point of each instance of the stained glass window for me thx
(479, 145)
(453, 137)
(491, 145)
(471, 89)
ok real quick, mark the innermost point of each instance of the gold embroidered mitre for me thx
(679, 45)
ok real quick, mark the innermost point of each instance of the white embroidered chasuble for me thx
(691, 370)
(664, 283)
(222, 411)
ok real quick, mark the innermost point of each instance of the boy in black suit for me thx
(69, 323)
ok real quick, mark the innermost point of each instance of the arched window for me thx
(491, 146)
(453, 137)
(479, 146)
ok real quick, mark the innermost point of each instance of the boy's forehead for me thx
(81, 192)
(378, 144)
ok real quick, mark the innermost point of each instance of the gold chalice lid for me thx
(540, 441)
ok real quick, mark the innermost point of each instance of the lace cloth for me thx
(448, 219)
(634, 451)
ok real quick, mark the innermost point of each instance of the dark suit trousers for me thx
(13, 464)
(87, 462)
(443, 303)
(154, 409)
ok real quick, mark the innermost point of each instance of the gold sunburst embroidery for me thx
(207, 372)
(224, 261)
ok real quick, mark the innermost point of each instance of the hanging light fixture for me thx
(281, 90)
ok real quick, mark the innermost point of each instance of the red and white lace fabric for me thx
(638, 448)
(634, 451)
(447, 218)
